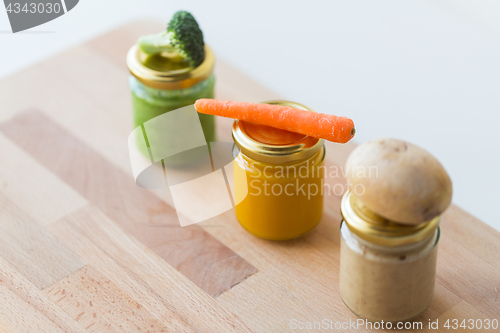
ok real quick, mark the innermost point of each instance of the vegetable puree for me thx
(383, 283)
(149, 103)
(160, 83)
(280, 176)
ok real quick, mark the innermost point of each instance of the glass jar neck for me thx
(389, 254)
(407, 248)
(378, 230)
(301, 168)
(138, 87)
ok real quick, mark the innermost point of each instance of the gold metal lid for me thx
(299, 147)
(165, 71)
(376, 229)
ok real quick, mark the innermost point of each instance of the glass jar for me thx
(278, 176)
(387, 270)
(161, 83)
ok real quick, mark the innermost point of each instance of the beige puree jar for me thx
(387, 270)
(388, 267)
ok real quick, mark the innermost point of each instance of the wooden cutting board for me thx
(83, 249)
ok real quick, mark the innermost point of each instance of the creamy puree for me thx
(387, 283)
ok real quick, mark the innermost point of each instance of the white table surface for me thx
(425, 71)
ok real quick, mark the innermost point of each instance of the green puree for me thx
(149, 102)
(170, 61)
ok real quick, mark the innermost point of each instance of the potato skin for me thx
(402, 182)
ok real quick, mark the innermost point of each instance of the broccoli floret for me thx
(183, 36)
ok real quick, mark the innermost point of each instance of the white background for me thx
(426, 71)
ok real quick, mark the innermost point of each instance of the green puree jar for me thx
(163, 82)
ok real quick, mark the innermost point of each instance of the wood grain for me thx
(22, 316)
(26, 295)
(33, 188)
(5, 328)
(132, 267)
(100, 306)
(461, 311)
(31, 249)
(206, 261)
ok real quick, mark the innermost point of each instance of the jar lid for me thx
(166, 71)
(376, 229)
(271, 145)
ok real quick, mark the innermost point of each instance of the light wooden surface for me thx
(82, 249)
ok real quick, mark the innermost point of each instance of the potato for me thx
(399, 181)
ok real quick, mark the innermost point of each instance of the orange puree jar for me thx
(278, 179)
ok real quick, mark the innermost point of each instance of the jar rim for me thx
(302, 149)
(376, 229)
(171, 79)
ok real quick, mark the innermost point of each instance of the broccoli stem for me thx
(157, 43)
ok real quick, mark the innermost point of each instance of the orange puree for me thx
(283, 199)
(271, 135)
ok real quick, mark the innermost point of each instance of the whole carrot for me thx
(317, 125)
